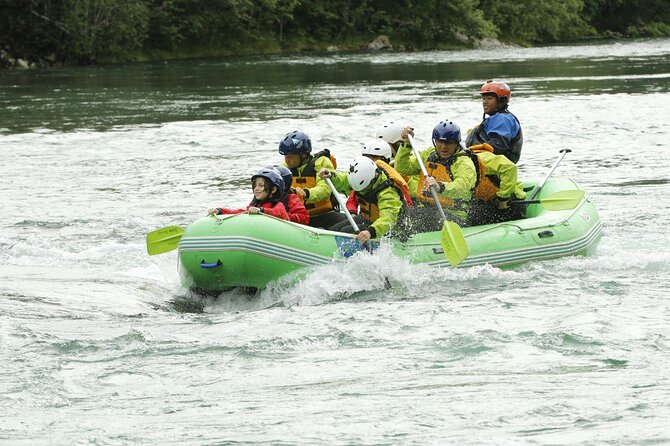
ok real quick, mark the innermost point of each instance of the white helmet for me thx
(377, 147)
(390, 132)
(362, 172)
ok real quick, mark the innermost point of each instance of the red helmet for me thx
(499, 88)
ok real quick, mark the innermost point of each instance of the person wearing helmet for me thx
(449, 170)
(391, 132)
(293, 204)
(380, 201)
(380, 152)
(267, 186)
(501, 129)
(378, 149)
(296, 147)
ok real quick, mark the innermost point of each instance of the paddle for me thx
(342, 204)
(451, 238)
(560, 201)
(562, 152)
(163, 240)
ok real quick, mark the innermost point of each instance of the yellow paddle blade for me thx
(563, 200)
(163, 240)
(453, 243)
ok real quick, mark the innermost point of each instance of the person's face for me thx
(490, 103)
(293, 161)
(446, 149)
(259, 189)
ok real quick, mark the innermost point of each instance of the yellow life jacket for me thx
(487, 186)
(368, 208)
(440, 169)
(367, 203)
(307, 180)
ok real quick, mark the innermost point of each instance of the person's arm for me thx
(296, 210)
(226, 211)
(465, 178)
(389, 204)
(405, 161)
(506, 170)
(501, 129)
(321, 191)
(278, 210)
(340, 181)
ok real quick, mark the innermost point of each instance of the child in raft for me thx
(268, 188)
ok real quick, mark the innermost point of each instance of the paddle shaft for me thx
(525, 201)
(343, 205)
(425, 174)
(540, 201)
(562, 152)
(559, 201)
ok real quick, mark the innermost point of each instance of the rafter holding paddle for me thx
(451, 238)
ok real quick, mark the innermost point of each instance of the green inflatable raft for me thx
(220, 252)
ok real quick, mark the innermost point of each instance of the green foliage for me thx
(103, 29)
(88, 31)
(656, 29)
(27, 29)
(78, 31)
(535, 21)
(629, 17)
(438, 22)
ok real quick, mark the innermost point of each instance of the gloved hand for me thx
(325, 173)
(431, 182)
(405, 132)
(363, 236)
(503, 203)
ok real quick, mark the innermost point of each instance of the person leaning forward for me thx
(450, 170)
(391, 132)
(377, 195)
(379, 151)
(296, 147)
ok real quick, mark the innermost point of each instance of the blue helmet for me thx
(273, 176)
(286, 175)
(446, 131)
(294, 143)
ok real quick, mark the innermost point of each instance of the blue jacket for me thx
(502, 131)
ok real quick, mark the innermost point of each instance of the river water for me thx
(100, 345)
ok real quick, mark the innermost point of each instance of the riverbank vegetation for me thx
(48, 32)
